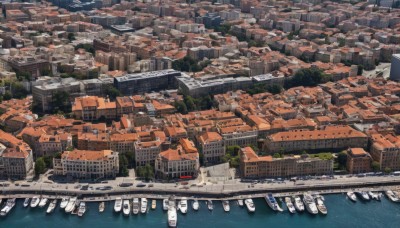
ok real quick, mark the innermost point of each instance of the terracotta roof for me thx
(86, 155)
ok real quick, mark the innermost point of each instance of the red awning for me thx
(185, 177)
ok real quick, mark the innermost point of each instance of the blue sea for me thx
(341, 213)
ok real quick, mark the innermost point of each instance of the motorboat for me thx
(165, 204)
(392, 196)
(118, 204)
(226, 206)
(64, 202)
(183, 207)
(102, 207)
(298, 204)
(143, 205)
(71, 205)
(52, 206)
(43, 202)
(250, 205)
(77, 204)
(310, 204)
(290, 205)
(82, 209)
(172, 214)
(153, 204)
(363, 195)
(8, 207)
(35, 201)
(240, 202)
(321, 206)
(210, 205)
(373, 195)
(26, 202)
(126, 207)
(352, 196)
(135, 206)
(195, 205)
(272, 203)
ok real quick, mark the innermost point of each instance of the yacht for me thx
(75, 209)
(102, 207)
(363, 195)
(26, 202)
(8, 207)
(290, 205)
(165, 204)
(172, 215)
(352, 196)
(43, 202)
(82, 209)
(195, 205)
(143, 205)
(225, 205)
(374, 195)
(126, 207)
(135, 206)
(118, 204)
(240, 202)
(153, 204)
(310, 204)
(35, 201)
(210, 205)
(250, 205)
(320, 205)
(183, 207)
(52, 206)
(392, 196)
(71, 205)
(298, 204)
(272, 203)
(64, 202)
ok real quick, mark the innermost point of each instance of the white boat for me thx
(195, 205)
(101, 207)
(392, 196)
(8, 207)
(26, 202)
(210, 205)
(374, 195)
(165, 204)
(82, 209)
(321, 206)
(250, 205)
(52, 206)
(64, 202)
(143, 205)
(240, 202)
(153, 204)
(351, 196)
(290, 205)
(43, 202)
(118, 204)
(75, 210)
(310, 204)
(183, 207)
(298, 204)
(71, 205)
(126, 207)
(135, 206)
(225, 205)
(272, 203)
(172, 214)
(35, 201)
(363, 195)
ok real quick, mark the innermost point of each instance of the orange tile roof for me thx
(86, 155)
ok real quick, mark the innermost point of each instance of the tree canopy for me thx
(60, 102)
(40, 166)
(307, 77)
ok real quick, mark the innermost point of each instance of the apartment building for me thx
(242, 135)
(91, 108)
(212, 147)
(254, 166)
(385, 149)
(48, 145)
(182, 162)
(358, 161)
(332, 137)
(87, 164)
(123, 143)
(147, 152)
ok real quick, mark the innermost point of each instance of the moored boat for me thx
(52, 206)
(373, 195)
(240, 202)
(153, 204)
(183, 207)
(363, 195)
(392, 196)
(165, 204)
(64, 202)
(143, 205)
(35, 201)
(43, 202)
(8, 207)
(352, 196)
(321, 206)
(298, 204)
(272, 203)
(75, 209)
(135, 206)
(195, 205)
(26, 202)
(101, 206)
(226, 206)
(82, 209)
(310, 204)
(250, 205)
(126, 207)
(290, 205)
(71, 204)
(210, 205)
(172, 214)
(118, 204)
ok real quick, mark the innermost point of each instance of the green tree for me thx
(387, 170)
(342, 159)
(60, 102)
(87, 47)
(180, 107)
(123, 166)
(18, 90)
(48, 160)
(23, 75)
(71, 36)
(7, 96)
(189, 101)
(307, 77)
(277, 155)
(40, 166)
(360, 69)
(111, 91)
(375, 166)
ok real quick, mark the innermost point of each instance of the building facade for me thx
(212, 147)
(358, 161)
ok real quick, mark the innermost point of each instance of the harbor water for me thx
(341, 213)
